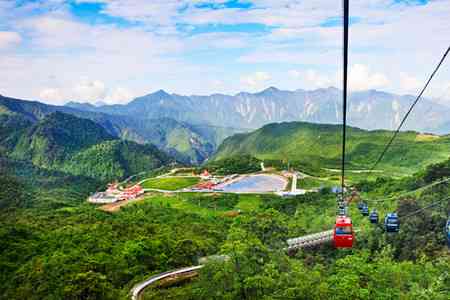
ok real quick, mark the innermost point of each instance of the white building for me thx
(102, 198)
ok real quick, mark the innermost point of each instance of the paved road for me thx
(294, 183)
(139, 288)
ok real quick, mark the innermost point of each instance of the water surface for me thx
(255, 183)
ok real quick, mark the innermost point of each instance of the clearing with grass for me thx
(170, 183)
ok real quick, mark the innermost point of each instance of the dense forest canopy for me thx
(56, 246)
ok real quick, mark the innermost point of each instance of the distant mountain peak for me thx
(79, 105)
(100, 103)
(268, 91)
(149, 98)
(271, 89)
(331, 89)
(160, 93)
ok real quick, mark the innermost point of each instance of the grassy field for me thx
(314, 183)
(170, 183)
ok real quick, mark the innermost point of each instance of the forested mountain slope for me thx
(188, 143)
(63, 142)
(318, 144)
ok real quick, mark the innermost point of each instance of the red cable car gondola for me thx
(343, 235)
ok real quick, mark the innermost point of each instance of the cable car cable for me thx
(408, 112)
(344, 92)
(423, 208)
(411, 192)
(343, 234)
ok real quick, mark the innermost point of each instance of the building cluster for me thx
(114, 194)
(213, 183)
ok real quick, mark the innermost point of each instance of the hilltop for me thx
(188, 143)
(63, 142)
(319, 145)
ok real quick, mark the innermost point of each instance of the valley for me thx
(239, 203)
(79, 249)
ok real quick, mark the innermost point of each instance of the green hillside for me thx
(319, 145)
(66, 143)
(115, 159)
(57, 246)
(56, 137)
(188, 143)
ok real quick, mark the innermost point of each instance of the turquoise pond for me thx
(255, 183)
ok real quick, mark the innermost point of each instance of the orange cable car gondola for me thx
(343, 235)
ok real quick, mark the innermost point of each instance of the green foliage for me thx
(315, 183)
(54, 245)
(217, 201)
(170, 183)
(436, 171)
(82, 253)
(12, 192)
(115, 159)
(269, 226)
(254, 272)
(62, 142)
(386, 185)
(56, 137)
(314, 146)
(235, 165)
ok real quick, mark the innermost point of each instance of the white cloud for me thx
(442, 94)
(43, 40)
(360, 78)
(294, 74)
(53, 95)
(9, 38)
(311, 79)
(90, 90)
(119, 95)
(410, 84)
(55, 32)
(255, 80)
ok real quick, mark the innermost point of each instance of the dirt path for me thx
(114, 207)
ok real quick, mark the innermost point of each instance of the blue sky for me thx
(114, 50)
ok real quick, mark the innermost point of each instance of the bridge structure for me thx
(310, 240)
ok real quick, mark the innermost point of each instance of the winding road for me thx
(137, 290)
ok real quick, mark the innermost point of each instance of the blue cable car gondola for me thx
(391, 223)
(373, 217)
(365, 210)
(447, 231)
(360, 205)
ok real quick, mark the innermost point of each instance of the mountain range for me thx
(369, 109)
(186, 142)
(191, 128)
